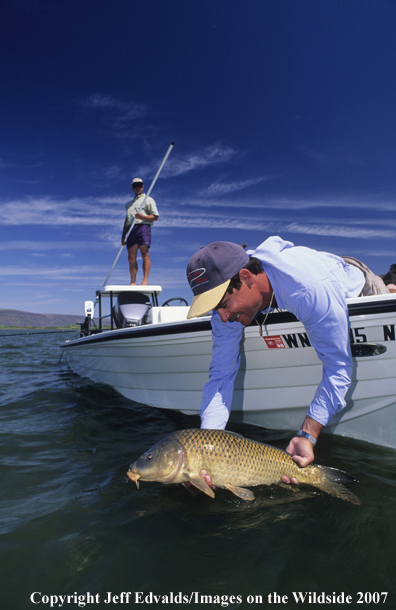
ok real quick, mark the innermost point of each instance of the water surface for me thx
(71, 524)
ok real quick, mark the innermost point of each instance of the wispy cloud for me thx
(368, 202)
(216, 154)
(104, 216)
(99, 100)
(55, 272)
(278, 227)
(327, 157)
(117, 112)
(5, 164)
(44, 247)
(339, 230)
(223, 188)
(76, 211)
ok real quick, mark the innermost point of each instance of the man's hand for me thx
(302, 451)
(206, 478)
(123, 242)
(301, 448)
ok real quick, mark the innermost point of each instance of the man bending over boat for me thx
(140, 236)
(314, 286)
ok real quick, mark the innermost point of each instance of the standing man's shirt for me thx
(313, 286)
(132, 208)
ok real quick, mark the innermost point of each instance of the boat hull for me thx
(166, 366)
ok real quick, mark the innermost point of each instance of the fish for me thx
(234, 463)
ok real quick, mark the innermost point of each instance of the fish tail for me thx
(332, 482)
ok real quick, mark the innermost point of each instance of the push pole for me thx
(144, 199)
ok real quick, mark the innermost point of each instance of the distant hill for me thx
(13, 317)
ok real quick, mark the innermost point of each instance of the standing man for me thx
(312, 285)
(140, 236)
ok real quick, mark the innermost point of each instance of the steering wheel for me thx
(180, 299)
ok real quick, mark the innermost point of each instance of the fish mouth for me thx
(134, 476)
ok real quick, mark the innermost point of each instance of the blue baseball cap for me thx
(209, 273)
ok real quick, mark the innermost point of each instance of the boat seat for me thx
(161, 315)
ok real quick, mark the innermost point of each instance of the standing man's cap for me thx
(137, 181)
(209, 273)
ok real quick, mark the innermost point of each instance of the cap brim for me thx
(205, 302)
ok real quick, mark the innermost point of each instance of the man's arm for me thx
(149, 212)
(124, 231)
(217, 393)
(148, 218)
(325, 316)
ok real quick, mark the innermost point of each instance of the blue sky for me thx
(283, 114)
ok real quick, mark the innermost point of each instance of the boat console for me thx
(132, 306)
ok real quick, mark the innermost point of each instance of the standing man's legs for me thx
(144, 251)
(139, 239)
(132, 260)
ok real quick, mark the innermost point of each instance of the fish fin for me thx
(200, 483)
(332, 483)
(339, 491)
(192, 490)
(289, 487)
(338, 476)
(241, 492)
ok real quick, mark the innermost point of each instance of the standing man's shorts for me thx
(140, 235)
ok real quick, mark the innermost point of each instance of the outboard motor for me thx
(85, 327)
(131, 309)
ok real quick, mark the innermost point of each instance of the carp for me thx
(234, 462)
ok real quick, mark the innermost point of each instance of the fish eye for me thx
(149, 456)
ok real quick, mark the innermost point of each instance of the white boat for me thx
(155, 356)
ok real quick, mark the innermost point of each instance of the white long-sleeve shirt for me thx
(313, 286)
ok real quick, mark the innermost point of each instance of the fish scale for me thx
(233, 462)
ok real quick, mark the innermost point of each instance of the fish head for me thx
(161, 463)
